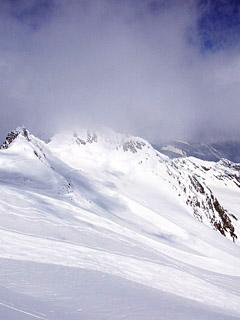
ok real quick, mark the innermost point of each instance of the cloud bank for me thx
(136, 66)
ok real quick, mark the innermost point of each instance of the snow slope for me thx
(99, 225)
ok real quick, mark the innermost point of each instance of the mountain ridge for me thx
(191, 185)
(204, 151)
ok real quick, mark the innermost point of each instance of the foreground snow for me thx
(97, 227)
(41, 291)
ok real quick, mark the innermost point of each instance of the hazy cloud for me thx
(136, 66)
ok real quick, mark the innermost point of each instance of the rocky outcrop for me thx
(9, 139)
(133, 146)
(197, 194)
(11, 136)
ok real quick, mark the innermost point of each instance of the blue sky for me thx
(219, 24)
(159, 69)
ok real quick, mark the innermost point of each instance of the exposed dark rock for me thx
(25, 134)
(196, 184)
(91, 137)
(80, 141)
(133, 146)
(205, 168)
(9, 139)
(200, 197)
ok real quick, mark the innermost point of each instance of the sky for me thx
(162, 69)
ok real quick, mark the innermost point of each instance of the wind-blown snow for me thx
(95, 225)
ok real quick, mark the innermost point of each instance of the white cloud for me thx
(117, 63)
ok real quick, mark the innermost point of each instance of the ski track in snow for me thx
(21, 311)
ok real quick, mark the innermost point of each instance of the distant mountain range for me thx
(209, 151)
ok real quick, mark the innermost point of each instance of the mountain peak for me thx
(12, 135)
(100, 136)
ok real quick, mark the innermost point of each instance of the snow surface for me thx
(173, 149)
(92, 227)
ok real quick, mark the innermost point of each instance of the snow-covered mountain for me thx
(204, 151)
(123, 227)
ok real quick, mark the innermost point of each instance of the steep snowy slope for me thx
(108, 208)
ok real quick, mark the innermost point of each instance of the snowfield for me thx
(99, 225)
